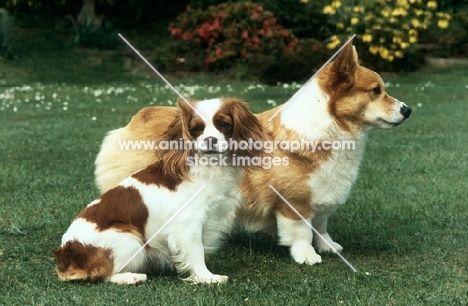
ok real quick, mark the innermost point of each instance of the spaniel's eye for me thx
(224, 125)
(377, 90)
(198, 129)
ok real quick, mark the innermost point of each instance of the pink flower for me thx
(245, 35)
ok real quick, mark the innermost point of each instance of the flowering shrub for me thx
(386, 29)
(231, 31)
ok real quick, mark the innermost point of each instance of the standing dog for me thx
(342, 103)
(102, 239)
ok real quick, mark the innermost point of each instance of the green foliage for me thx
(6, 34)
(96, 32)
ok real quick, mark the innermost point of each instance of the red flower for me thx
(218, 52)
(176, 32)
(243, 53)
(209, 60)
(215, 24)
(187, 36)
(245, 35)
(255, 39)
(259, 8)
(204, 31)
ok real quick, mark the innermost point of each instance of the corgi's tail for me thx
(76, 261)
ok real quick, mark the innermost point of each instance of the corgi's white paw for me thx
(324, 247)
(302, 253)
(207, 279)
(127, 278)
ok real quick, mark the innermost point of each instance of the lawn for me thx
(404, 227)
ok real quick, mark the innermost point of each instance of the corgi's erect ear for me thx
(345, 65)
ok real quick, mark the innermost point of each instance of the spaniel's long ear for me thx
(174, 158)
(246, 126)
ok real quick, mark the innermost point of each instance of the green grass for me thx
(404, 227)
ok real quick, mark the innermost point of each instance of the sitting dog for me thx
(169, 212)
(339, 105)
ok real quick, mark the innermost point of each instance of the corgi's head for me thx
(357, 97)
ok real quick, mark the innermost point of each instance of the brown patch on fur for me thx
(76, 261)
(243, 125)
(121, 208)
(174, 162)
(154, 175)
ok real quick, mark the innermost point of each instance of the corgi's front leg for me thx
(297, 234)
(320, 243)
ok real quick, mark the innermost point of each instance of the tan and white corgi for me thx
(340, 104)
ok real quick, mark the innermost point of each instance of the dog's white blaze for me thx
(208, 109)
(307, 114)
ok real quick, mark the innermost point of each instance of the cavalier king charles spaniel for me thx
(172, 212)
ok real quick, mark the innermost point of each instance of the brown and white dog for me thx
(342, 103)
(103, 238)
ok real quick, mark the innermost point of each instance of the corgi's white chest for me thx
(332, 181)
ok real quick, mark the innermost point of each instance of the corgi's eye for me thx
(377, 90)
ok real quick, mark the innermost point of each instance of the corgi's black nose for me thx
(405, 111)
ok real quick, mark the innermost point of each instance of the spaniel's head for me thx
(210, 128)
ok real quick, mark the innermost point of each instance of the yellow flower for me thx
(413, 39)
(335, 41)
(404, 45)
(304, 1)
(340, 25)
(402, 2)
(358, 9)
(354, 20)
(384, 53)
(385, 12)
(397, 39)
(443, 24)
(376, 27)
(399, 11)
(431, 4)
(336, 4)
(444, 15)
(374, 50)
(366, 38)
(418, 12)
(329, 10)
(415, 22)
(413, 32)
(399, 54)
